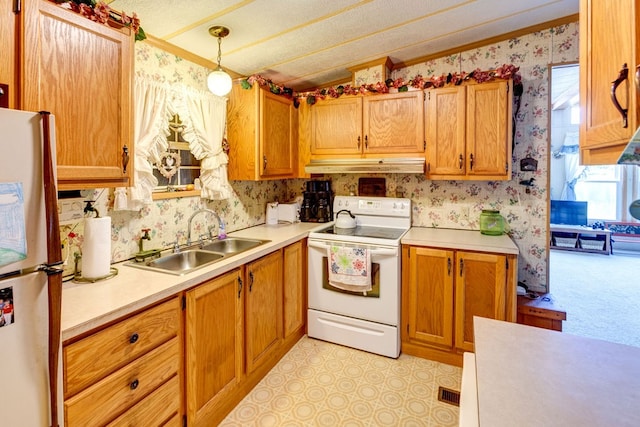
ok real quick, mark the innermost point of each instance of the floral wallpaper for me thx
(443, 204)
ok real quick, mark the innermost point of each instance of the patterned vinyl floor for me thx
(323, 384)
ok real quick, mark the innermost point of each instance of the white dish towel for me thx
(349, 268)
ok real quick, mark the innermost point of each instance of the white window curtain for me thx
(204, 117)
(150, 130)
(573, 171)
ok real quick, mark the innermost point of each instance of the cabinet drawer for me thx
(111, 396)
(94, 357)
(159, 408)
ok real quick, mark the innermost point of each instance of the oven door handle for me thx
(373, 252)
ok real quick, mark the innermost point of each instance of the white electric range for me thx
(369, 320)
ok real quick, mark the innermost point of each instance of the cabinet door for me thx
(430, 296)
(81, 72)
(480, 291)
(295, 286)
(336, 126)
(8, 43)
(488, 131)
(276, 136)
(445, 132)
(394, 123)
(263, 315)
(608, 40)
(214, 328)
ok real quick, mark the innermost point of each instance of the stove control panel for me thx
(376, 206)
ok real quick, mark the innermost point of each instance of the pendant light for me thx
(219, 82)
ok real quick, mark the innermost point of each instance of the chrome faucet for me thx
(209, 211)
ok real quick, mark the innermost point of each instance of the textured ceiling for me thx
(308, 43)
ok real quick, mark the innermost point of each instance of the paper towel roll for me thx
(96, 248)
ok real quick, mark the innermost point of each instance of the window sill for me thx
(175, 194)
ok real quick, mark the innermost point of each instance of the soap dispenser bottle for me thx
(222, 231)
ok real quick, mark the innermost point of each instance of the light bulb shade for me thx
(219, 82)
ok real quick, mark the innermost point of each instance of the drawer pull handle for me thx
(134, 384)
(134, 338)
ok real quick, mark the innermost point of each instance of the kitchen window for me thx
(177, 169)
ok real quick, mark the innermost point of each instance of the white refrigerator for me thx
(24, 326)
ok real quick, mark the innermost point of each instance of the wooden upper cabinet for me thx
(489, 130)
(262, 129)
(394, 123)
(81, 72)
(336, 126)
(445, 131)
(468, 131)
(278, 127)
(368, 126)
(609, 35)
(8, 42)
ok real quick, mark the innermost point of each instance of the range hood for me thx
(631, 153)
(388, 165)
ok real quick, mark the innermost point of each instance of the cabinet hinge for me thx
(428, 167)
(507, 89)
(184, 303)
(424, 96)
(506, 261)
(184, 420)
(407, 328)
(424, 145)
(17, 6)
(506, 167)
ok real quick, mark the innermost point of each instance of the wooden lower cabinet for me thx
(442, 289)
(214, 344)
(295, 289)
(127, 371)
(235, 330)
(237, 326)
(263, 305)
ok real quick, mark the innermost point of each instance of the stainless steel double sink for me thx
(191, 259)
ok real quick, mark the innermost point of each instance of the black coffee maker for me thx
(317, 202)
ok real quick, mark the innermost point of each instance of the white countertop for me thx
(88, 305)
(459, 239)
(530, 376)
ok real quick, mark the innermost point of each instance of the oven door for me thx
(381, 304)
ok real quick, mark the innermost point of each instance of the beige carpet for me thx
(600, 293)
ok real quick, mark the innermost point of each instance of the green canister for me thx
(491, 222)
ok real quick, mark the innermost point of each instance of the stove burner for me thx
(367, 231)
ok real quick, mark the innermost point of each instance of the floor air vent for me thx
(447, 395)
